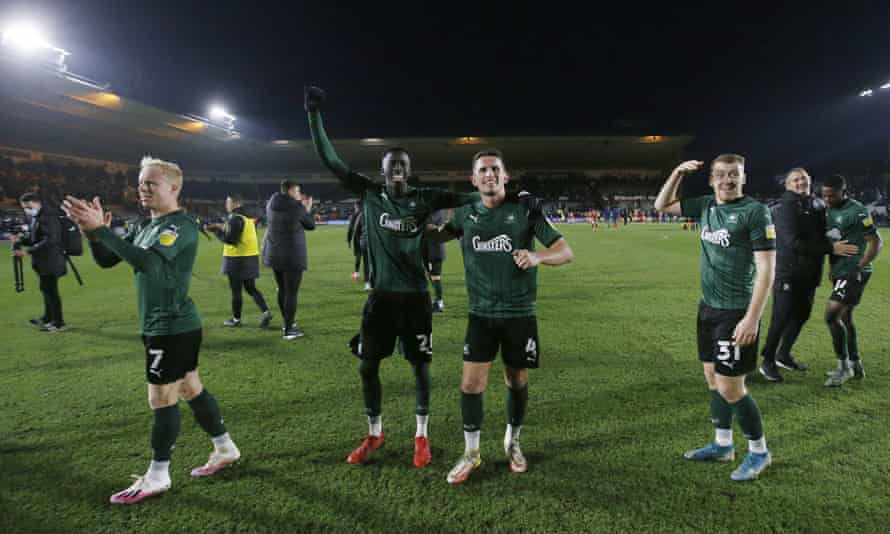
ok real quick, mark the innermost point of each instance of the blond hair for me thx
(171, 171)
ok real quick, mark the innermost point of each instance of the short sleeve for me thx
(692, 207)
(868, 225)
(763, 232)
(546, 233)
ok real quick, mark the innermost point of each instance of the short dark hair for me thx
(29, 197)
(835, 181)
(489, 152)
(729, 159)
(236, 198)
(287, 184)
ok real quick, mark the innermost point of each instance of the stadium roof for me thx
(55, 112)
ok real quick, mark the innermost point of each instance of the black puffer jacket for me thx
(284, 245)
(801, 244)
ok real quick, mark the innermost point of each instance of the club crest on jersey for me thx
(474, 218)
(511, 218)
(168, 236)
(733, 218)
(501, 243)
(834, 234)
(717, 237)
(408, 224)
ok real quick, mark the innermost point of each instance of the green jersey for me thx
(850, 221)
(730, 233)
(162, 252)
(394, 225)
(488, 237)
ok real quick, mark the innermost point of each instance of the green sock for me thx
(749, 417)
(471, 410)
(422, 385)
(721, 411)
(372, 391)
(207, 414)
(517, 402)
(164, 432)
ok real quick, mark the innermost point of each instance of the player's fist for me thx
(688, 166)
(313, 98)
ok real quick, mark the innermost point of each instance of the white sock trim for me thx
(375, 425)
(471, 439)
(723, 436)
(223, 441)
(757, 445)
(422, 426)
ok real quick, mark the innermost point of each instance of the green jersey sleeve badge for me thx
(168, 236)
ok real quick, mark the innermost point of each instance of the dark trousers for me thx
(792, 304)
(236, 284)
(52, 301)
(288, 287)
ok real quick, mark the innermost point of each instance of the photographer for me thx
(44, 242)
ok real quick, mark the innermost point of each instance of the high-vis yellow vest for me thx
(247, 244)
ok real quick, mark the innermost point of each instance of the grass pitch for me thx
(617, 400)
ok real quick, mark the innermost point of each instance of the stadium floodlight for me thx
(27, 40)
(219, 113)
(886, 86)
(867, 92)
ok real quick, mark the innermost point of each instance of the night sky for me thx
(778, 85)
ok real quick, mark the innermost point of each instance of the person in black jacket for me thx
(288, 214)
(44, 240)
(358, 241)
(801, 247)
(240, 259)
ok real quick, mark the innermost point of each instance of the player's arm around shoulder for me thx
(452, 229)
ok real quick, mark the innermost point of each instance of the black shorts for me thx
(169, 358)
(849, 289)
(516, 337)
(434, 267)
(716, 344)
(388, 316)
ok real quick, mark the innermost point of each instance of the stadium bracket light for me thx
(886, 86)
(867, 92)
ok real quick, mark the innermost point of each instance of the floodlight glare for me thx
(867, 92)
(886, 86)
(219, 113)
(24, 38)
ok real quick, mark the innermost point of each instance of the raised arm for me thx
(668, 200)
(314, 97)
